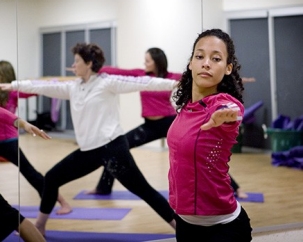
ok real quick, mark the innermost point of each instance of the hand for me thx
(248, 79)
(221, 116)
(31, 129)
(6, 87)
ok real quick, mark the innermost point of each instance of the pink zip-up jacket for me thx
(7, 129)
(154, 103)
(199, 183)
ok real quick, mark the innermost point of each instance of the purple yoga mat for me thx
(126, 195)
(115, 195)
(79, 213)
(252, 197)
(70, 236)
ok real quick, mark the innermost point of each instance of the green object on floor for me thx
(283, 140)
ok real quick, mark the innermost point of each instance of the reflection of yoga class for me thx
(200, 140)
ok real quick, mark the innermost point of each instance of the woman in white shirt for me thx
(94, 105)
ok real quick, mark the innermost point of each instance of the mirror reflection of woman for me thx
(9, 146)
(10, 218)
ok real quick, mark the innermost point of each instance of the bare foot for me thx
(65, 209)
(241, 194)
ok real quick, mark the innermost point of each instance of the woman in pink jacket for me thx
(10, 218)
(209, 112)
(157, 109)
(9, 147)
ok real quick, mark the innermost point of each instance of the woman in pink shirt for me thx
(9, 147)
(157, 110)
(10, 218)
(209, 112)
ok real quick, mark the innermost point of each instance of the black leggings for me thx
(10, 218)
(11, 151)
(149, 131)
(117, 159)
(238, 230)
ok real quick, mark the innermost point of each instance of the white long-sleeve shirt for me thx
(94, 104)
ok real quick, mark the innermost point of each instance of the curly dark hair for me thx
(90, 52)
(231, 84)
(160, 60)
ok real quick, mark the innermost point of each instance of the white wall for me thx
(8, 40)
(171, 25)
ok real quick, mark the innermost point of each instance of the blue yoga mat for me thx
(79, 213)
(70, 236)
(126, 195)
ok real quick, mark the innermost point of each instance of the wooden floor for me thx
(282, 188)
